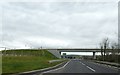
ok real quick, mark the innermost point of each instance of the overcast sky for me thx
(58, 24)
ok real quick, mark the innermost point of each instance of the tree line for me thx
(113, 55)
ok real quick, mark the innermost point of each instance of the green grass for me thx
(30, 60)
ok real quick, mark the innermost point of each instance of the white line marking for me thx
(66, 64)
(57, 68)
(82, 63)
(90, 68)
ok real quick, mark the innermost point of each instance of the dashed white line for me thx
(82, 63)
(90, 68)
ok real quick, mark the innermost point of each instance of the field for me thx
(14, 61)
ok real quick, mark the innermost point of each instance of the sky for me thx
(58, 24)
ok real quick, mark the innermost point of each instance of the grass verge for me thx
(15, 64)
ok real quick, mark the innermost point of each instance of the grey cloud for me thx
(74, 24)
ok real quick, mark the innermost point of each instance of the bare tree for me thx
(104, 45)
(115, 52)
(101, 47)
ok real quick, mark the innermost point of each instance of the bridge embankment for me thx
(55, 53)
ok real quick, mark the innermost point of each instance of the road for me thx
(82, 66)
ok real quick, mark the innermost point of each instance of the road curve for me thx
(83, 66)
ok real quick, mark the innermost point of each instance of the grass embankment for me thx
(14, 61)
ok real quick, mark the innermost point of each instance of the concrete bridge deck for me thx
(81, 50)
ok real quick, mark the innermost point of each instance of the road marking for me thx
(90, 68)
(66, 64)
(57, 68)
(82, 63)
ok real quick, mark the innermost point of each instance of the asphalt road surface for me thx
(82, 66)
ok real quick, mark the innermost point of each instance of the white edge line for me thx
(39, 70)
(90, 68)
(66, 64)
(57, 68)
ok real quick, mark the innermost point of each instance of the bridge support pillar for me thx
(94, 56)
(60, 54)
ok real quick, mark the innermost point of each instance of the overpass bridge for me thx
(57, 51)
(94, 50)
(80, 50)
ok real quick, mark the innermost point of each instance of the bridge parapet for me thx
(83, 50)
